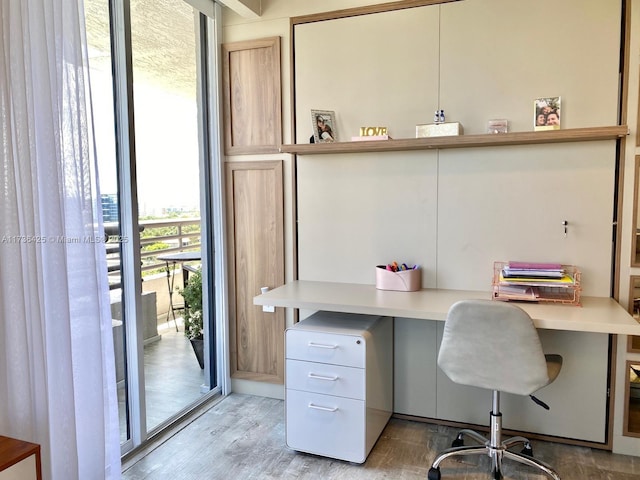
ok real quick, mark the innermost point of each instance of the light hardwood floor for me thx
(242, 437)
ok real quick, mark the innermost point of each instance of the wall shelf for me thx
(462, 141)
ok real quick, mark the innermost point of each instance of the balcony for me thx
(173, 377)
(157, 237)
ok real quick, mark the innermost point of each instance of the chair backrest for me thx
(493, 345)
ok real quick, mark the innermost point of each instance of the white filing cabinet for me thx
(338, 384)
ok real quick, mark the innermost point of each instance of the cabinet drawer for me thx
(347, 350)
(326, 425)
(326, 378)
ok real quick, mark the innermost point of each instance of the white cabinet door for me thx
(24, 470)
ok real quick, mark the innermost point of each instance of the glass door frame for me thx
(210, 120)
(214, 266)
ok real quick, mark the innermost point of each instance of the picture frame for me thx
(546, 113)
(323, 123)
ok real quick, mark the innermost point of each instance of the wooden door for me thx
(256, 259)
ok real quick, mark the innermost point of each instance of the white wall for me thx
(457, 211)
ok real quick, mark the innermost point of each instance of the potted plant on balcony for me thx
(193, 318)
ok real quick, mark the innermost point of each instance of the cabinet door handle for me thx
(322, 345)
(324, 409)
(332, 378)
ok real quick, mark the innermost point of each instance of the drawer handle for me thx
(324, 409)
(322, 345)
(323, 377)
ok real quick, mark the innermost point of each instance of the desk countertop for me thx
(597, 314)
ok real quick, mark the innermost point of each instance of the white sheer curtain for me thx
(57, 378)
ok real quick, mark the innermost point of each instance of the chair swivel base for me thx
(495, 450)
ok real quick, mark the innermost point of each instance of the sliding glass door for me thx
(149, 76)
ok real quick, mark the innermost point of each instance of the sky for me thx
(164, 70)
(166, 138)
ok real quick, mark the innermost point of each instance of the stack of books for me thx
(533, 281)
(543, 272)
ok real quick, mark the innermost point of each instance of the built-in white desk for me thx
(596, 314)
(581, 334)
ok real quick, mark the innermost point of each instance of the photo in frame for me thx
(324, 126)
(546, 111)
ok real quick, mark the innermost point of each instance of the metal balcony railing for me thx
(157, 237)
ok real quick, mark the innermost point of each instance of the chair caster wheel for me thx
(527, 450)
(458, 442)
(434, 474)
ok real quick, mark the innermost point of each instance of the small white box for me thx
(438, 129)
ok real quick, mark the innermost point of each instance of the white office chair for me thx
(494, 345)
